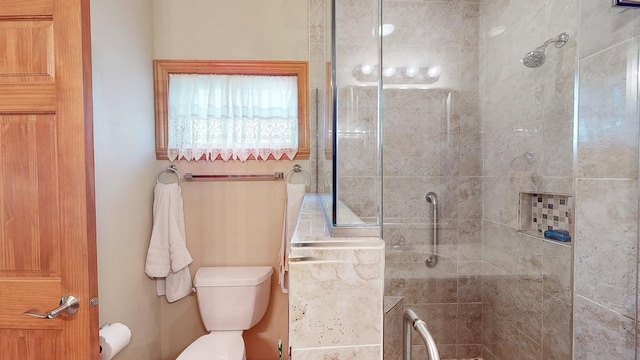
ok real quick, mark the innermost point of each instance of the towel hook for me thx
(170, 169)
(296, 170)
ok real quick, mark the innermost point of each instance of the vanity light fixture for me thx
(399, 75)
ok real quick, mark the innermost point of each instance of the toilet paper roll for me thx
(113, 338)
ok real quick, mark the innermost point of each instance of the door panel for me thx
(29, 207)
(15, 291)
(27, 65)
(23, 98)
(29, 48)
(30, 344)
(47, 215)
(22, 8)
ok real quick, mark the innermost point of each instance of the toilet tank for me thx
(232, 298)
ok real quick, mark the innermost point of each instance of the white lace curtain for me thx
(232, 116)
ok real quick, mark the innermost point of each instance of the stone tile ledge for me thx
(312, 231)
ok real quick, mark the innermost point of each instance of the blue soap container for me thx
(558, 235)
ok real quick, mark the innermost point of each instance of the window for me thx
(208, 110)
(232, 117)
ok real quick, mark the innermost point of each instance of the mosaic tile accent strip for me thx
(549, 212)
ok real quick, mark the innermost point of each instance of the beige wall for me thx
(239, 29)
(231, 223)
(125, 169)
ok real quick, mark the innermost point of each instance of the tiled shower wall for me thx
(449, 295)
(320, 165)
(357, 108)
(607, 184)
(527, 132)
(469, 138)
(433, 143)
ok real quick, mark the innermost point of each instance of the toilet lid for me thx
(215, 346)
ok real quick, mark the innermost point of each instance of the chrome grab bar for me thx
(412, 320)
(432, 260)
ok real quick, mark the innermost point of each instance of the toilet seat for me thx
(227, 345)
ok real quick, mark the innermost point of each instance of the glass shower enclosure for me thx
(517, 127)
(350, 136)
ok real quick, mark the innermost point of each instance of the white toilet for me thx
(231, 300)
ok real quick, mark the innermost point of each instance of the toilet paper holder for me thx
(113, 338)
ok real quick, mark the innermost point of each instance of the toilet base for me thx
(216, 345)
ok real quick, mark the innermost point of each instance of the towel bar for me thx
(237, 177)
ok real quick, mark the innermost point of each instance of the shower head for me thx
(536, 58)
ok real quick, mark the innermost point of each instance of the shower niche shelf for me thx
(539, 211)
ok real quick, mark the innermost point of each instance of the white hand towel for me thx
(168, 256)
(295, 196)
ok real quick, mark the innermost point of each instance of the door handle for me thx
(68, 304)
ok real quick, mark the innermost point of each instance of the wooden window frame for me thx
(164, 68)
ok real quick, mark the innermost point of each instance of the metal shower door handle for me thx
(68, 304)
(410, 319)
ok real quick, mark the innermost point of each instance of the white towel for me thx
(168, 256)
(295, 196)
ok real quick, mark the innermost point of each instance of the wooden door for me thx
(47, 215)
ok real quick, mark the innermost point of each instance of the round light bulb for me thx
(389, 71)
(411, 71)
(366, 69)
(387, 29)
(384, 30)
(496, 31)
(434, 71)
